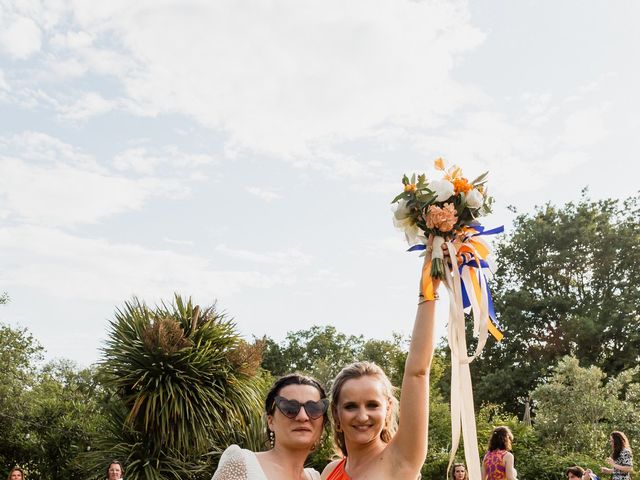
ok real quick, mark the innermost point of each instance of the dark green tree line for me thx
(568, 284)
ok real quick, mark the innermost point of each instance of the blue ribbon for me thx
(470, 261)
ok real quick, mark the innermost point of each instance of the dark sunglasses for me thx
(291, 408)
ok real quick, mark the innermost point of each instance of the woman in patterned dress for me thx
(497, 463)
(621, 459)
(296, 409)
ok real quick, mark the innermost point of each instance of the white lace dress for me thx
(239, 464)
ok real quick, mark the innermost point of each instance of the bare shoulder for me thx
(329, 468)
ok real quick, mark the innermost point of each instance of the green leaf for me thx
(399, 196)
(481, 178)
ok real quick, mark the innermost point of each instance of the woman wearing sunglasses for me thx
(364, 412)
(296, 410)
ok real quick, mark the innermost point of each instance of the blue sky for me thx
(247, 152)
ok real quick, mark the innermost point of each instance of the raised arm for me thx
(409, 446)
(508, 466)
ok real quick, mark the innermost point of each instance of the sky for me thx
(246, 153)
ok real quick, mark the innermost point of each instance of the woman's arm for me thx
(409, 446)
(617, 466)
(508, 466)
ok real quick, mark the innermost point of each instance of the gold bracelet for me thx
(423, 300)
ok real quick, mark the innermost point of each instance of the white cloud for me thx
(45, 180)
(42, 148)
(3, 82)
(141, 160)
(263, 193)
(290, 258)
(88, 105)
(21, 38)
(67, 195)
(73, 40)
(279, 78)
(78, 268)
(585, 127)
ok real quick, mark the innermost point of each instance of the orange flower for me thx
(461, 185)
(410, 187)
(438, 163)
(441, 218)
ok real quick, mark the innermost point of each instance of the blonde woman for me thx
(364, 411)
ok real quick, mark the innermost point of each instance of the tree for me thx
(65, 416)
(48, 415)
(184, 384)
(19, 351)
(319, 351)
(568, 283)
(579, 407)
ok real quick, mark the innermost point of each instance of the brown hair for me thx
(115, 462)
(620, 441)
(291, 379)
(575, 470)
(17, 469)
(456, 465)
(355, 371)
(500, 439)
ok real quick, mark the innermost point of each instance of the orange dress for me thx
(338, 472)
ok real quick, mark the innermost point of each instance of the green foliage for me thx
(578, 408)
(185, 384)
(18, 353)
(567, 284)
(319, 351)
(47, 415)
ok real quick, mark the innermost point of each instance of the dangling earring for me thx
(272, 438)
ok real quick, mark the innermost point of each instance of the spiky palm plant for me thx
(187, 384)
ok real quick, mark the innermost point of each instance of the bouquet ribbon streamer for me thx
(467, 283)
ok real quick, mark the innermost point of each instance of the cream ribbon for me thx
(462, 408)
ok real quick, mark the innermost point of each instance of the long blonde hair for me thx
(355, 371)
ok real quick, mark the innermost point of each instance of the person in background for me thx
(497, 463)
(16, 473)
(459, 472)
(621, 459)
(578, 473)
(115, 470)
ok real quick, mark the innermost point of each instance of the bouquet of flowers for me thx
(442, 208)
(447, 210)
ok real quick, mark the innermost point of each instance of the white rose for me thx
(474, 199)
(402, 211)
(442, 188)
(403, 220)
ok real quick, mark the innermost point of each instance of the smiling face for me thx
(301, 432)
(114, 472)
(362, 410)
(459, 472)
(16, 475)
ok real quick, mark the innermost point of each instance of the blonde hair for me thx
(355, 371)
